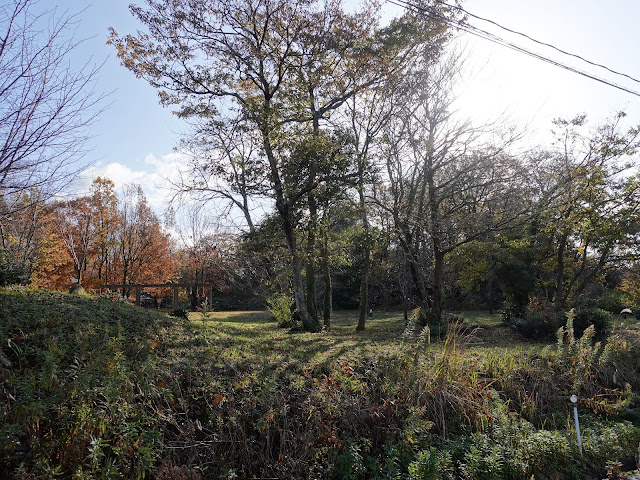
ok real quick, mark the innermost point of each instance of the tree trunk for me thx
(308, 322)
(366, 264)
(327, 301)
(364, 289)
(560, 299)
(284, 210)
(414, 269)
(436, 241)
(572, 293)
(79, 274)
(438, 275)
(310, 268)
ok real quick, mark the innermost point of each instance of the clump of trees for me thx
(278, 75)
(89, 240)
(105, 238)
(346, 129)
(46, 109)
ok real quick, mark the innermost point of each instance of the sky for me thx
(533, 92)
(135, 138)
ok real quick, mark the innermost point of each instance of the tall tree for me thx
(592, 221)
(280, 66)
(368, 114)
(204, 252)
(143, 249)
(87, 227)
(23, 220)
(104, 202)
(224, 165)
(76, 228)
(448, 182)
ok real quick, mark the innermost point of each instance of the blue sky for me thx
(134, 133)
(134, 139)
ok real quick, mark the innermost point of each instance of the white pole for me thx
(574, 400)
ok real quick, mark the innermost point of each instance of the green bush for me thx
(350, 463)
(603, 441)
(609, 301)
(421, 318)
(11, 272)
(599, 318)
(279, 306)
(620, 360)
(512, 448)
(431, 464)
(537, 324)
(180, 313)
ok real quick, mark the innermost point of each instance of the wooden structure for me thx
(174, 288)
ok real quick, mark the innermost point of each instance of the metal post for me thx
(574, 401)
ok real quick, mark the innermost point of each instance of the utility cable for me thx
(429, 12)
(539, 42)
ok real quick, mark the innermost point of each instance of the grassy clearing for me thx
(481, 318)
(95, 389)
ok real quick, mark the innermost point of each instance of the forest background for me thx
(376, 195)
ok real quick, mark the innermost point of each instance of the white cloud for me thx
(155, 181)
(155, 175)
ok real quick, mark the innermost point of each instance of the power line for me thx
(473, 30)
(539, 42)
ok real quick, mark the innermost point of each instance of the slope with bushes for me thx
(100, 390)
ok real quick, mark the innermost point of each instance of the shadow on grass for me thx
(250, 341)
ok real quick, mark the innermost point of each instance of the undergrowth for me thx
(100, 390)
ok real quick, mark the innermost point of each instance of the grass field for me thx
(99, 390)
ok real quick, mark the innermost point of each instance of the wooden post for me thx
(175, 297)
(193, 297)
(210, 297)
(138, 290)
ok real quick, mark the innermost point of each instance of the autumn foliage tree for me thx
(105, 205)
(75, 225)
(143, 250)
(100, 238)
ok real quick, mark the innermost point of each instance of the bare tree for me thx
(448, 182)
(21, 230)
(224, 167)
(45, 105)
